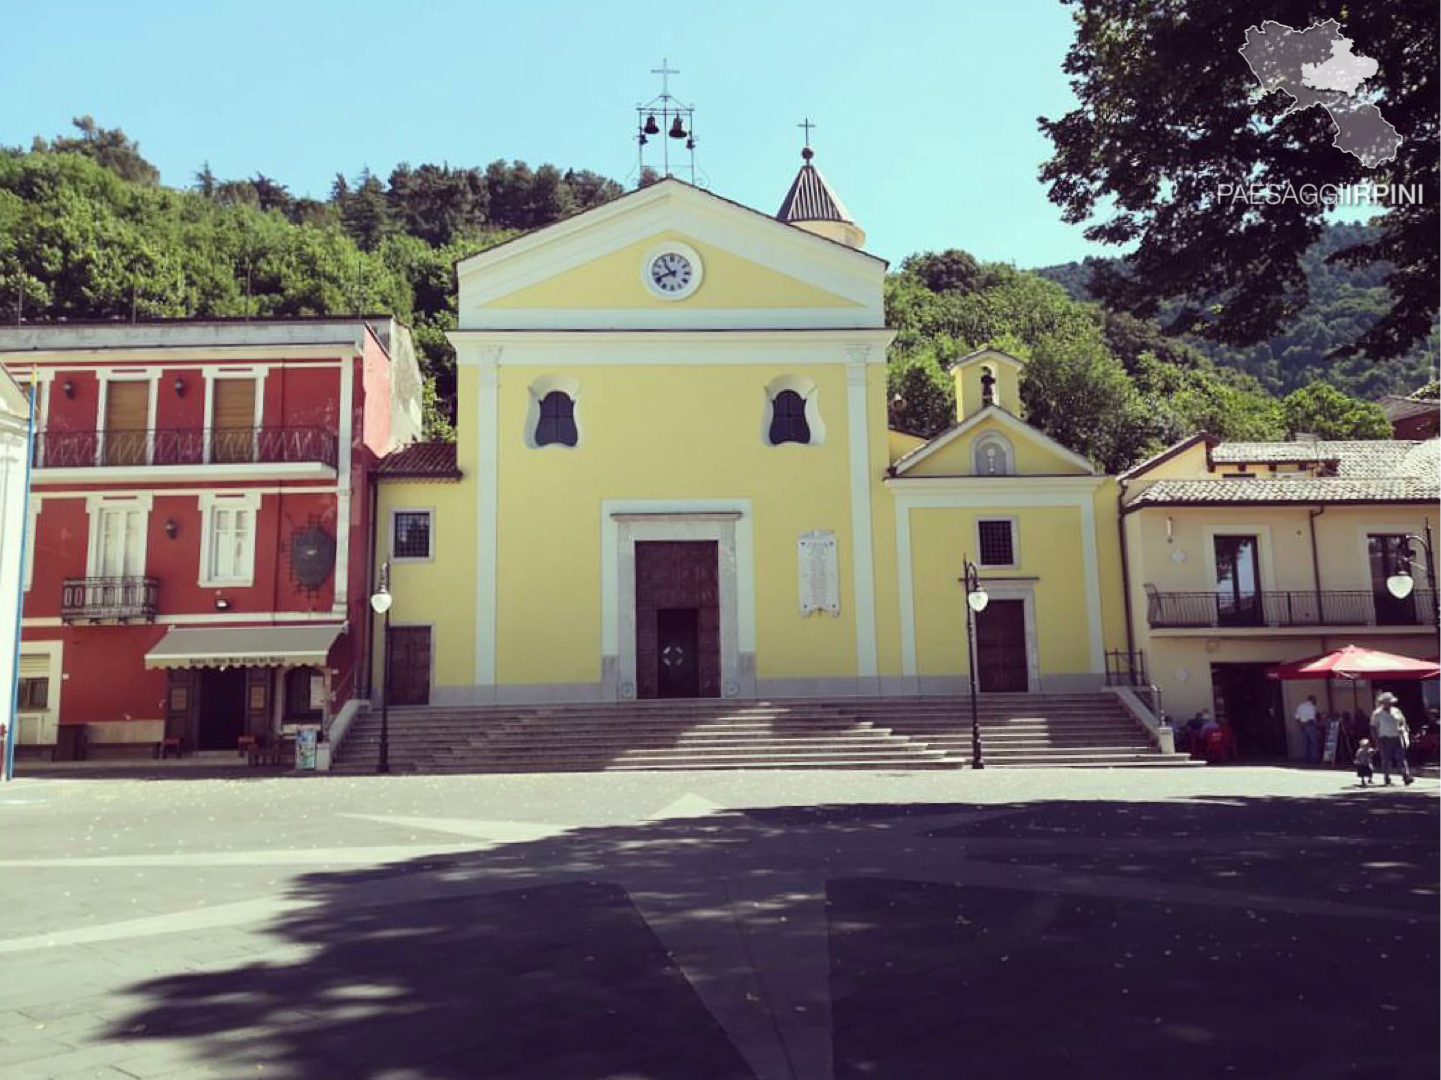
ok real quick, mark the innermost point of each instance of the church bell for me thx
(677, 129)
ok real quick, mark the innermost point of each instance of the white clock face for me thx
(671, 273)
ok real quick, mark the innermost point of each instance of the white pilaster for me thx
(862, 557)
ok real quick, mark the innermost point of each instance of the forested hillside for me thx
(88, 233)
(1344, 302)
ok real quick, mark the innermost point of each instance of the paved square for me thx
(1242, 922)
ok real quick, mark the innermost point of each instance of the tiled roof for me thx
(421, 461)
(1354, 457)
(1401, 408)
(811, 199)
(1279, 490)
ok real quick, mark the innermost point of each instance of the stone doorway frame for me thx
(729, 530)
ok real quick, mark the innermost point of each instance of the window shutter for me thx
(232, 418)
(127, 411)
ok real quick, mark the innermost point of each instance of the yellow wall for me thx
(1189, 464)
(1047, 539)
(440, 592)
(898, 443)
(655, 432)
(614, 281)
(1033, 457)
(1007, 388)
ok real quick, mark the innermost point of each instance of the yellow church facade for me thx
(674, 478)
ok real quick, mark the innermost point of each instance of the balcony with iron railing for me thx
(109, 599)
(185, 446)
(1306, 608)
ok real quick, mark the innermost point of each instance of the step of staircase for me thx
(1017, 731)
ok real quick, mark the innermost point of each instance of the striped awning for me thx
(244, 646)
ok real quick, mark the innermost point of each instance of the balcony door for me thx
(119, 543)
(1238, 581)
(127, 412)
(1387, 554)
(232, 420)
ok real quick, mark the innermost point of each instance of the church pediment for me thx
(739, 268)
(995, 443)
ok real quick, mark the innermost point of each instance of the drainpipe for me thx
(1125, 569)
(1311, 516)
(370, 546)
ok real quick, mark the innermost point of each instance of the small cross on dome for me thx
(806, 124)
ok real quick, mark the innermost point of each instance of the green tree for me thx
(1322, 410)
(1169, 113)
(921, 393)
(109, 147)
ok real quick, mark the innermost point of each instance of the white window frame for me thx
(1015, 563)
(810, 394)
(209, 503)
(210, 375)
(541, 387)
(33, 514)
(1003, 444)
(95, 505)
(429, 512)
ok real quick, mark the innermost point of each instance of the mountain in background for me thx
(1345, 302)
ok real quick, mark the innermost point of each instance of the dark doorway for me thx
(677, 605)
(407, 677)
(677, 634)
(222, 709)
(1238, 581)
(1251, 704)
(1001, 647)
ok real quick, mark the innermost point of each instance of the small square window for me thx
(34, 694)
(997, 543)
(410, 537)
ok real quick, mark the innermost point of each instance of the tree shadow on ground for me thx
(1043, 954)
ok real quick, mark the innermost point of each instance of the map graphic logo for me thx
(1316, 67)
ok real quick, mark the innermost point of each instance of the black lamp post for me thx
(380, 603)
(976, 601)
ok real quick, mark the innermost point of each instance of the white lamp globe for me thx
(978, 600)
(1400, 585)
(380, 602)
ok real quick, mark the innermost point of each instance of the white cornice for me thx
(576, 348)
(182, 354)
(158, 474)
(994, 490)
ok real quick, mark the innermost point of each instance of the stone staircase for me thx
(1025, 730)
(646, 735)
(1017, 730)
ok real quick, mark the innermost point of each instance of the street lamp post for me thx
(380, 603)
(976, 601)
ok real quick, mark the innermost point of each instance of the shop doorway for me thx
(1251, 704)
(222, 709)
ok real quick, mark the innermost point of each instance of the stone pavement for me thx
(1242, 922)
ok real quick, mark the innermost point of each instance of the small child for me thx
(1365, 761)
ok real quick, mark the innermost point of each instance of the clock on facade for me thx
(672, 271)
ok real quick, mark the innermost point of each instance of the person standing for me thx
(1388, 727)
(1306, 717)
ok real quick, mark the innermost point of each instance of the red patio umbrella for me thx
(1353, 662)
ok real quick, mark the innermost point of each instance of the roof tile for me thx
(421, 460)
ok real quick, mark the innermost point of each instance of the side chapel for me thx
(674, 478)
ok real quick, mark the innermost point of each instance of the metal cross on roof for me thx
(806, 123)
(665, 71)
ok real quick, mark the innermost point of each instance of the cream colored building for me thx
(14, 502)
(1244, 555)
(674, 478)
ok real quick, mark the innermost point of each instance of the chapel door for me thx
(407, 677)
(1001, 663)
(677, 619)
(677, 647)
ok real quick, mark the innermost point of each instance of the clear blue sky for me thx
(926, 111)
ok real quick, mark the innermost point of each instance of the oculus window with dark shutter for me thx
(788, 419)
(997, 544)
(557, 420)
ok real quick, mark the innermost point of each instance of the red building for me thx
(199, 560)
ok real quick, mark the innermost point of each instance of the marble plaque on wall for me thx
(819, 578)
